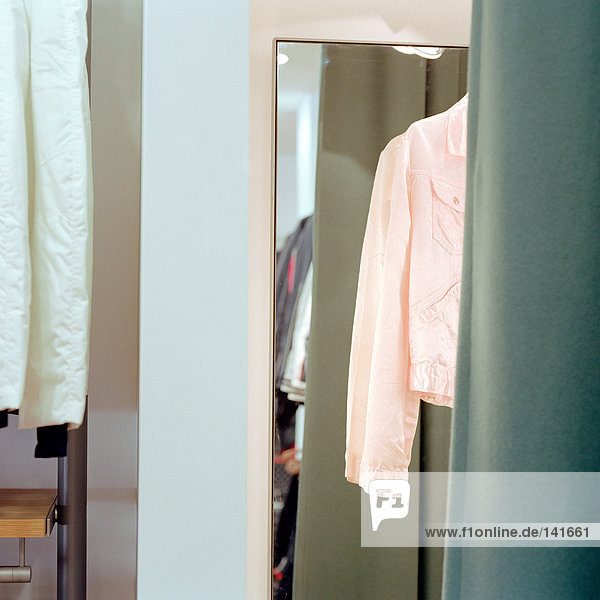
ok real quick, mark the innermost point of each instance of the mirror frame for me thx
(274, 137)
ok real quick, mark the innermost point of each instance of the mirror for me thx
(337, 107)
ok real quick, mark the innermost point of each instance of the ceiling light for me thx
(424, 51)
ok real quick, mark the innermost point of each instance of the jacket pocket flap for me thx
(450, 194)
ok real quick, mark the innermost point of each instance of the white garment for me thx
(294, 382)
(45, 210)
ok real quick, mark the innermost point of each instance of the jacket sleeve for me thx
(382, 413)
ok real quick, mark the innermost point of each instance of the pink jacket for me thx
(407, 305)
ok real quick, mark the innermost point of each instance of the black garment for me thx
(285, 421)
(284, 541)
(285, 430)
(51, 441)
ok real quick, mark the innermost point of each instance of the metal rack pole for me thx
(72, 518)
(61, 530)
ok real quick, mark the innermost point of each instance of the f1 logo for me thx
(389, 499)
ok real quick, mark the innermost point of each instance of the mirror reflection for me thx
(338, 106)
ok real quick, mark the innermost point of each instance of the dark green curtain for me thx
(528, 381)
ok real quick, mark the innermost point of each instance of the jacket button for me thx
(456, 200)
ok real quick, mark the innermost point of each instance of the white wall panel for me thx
(193, 362)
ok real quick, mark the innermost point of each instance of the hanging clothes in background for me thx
(294, 375)
(45, 212)
(285, 537)
(293, 264)
(528, 382)
(292, 326)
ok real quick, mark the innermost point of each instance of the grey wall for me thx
(112, 424)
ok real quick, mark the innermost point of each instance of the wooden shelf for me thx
(26, 513)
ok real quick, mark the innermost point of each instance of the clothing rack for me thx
(33, 513)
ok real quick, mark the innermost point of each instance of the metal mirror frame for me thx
(273, 244)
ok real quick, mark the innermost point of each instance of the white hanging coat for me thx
(45, 210)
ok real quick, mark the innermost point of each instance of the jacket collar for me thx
(456, 136)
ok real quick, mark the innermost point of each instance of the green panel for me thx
(528, 383)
